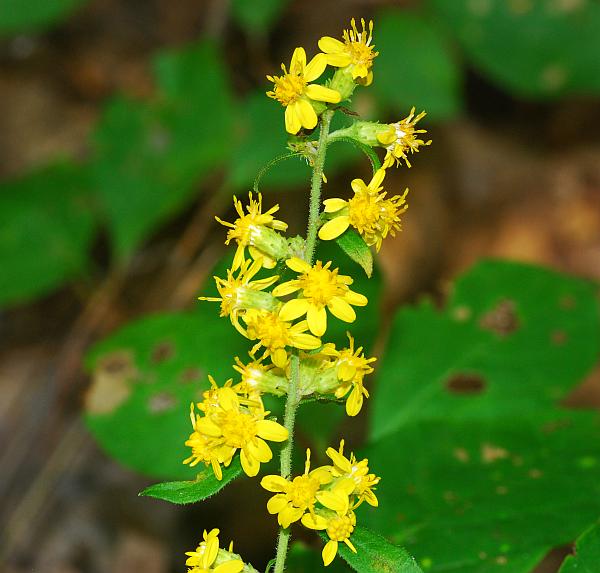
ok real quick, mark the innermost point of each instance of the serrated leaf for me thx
(481, 470)
(151, 156)
(587, 553)
(355, 247)
(46, 228)
(554, 45)
(26, 15)
(205, 485)
(415, 66)
(375, 554)
(144, 378)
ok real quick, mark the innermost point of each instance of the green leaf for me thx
(375, 554)
(151, 157)
(26, 15)
(259, 15)
(481, 470)
(415, 66)
(205, 485)
(513, 338)
(554, 46)
(355, 247)
(144, 378)
(46, 227)
(587, 553)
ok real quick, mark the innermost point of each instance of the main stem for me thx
(293, 400)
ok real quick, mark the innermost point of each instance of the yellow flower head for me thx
(369, 211)
(204, 559)
(296, 94)
(241, 293)
(339, 528)
(356, 51)
(402, 138)
(351, 368)
(257, 378)
(321, 288)
(232, 423)
(257, 231)
(204, 449)
(357, 472)
(275, 334)
(294, 497)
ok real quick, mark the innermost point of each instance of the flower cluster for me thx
(283, 301)
(324, 498)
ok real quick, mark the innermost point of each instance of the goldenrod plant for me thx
(287, 321)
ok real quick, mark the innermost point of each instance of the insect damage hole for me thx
(502, 319)
(465, 383)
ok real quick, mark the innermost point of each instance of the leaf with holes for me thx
(554, 45)
(144, 378)
(150, 157)
(482, 471)
(355, 247)
(28, 15)
(415, 66)
(375, 554)
(205, 485)
(46, 229)
(587, 553)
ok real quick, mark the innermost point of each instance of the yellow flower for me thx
(351, 368)
(275, 334)
(338, 527)
(321, 288)
(357, 472)
(203, 560)
(369, 211)
(296, 94)
(241, 293)
(257, 231)
(401, 138)
(355, 52)
(293, 498)
(232, 423)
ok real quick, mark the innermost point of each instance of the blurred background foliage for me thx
(129, 124)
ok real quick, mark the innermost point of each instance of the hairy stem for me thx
(293, 399)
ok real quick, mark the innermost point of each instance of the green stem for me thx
(293, 399)
(315, 189)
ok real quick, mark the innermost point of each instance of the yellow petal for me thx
(334, 228)
(377, 179)
(210, 552)
(292, 121)
(289, 515)
(276, 503)
(298, 62)
(259, 450)
(333, 205)
(346, 371)
(298, 265)
(329, 551)
(358, 185)
(286, 288)
(314, 521)
(315, 67)
(332, 501)
(306, 341)
(274, 483)
(294, 309)
(341, 309)
(350, 545)
(234, 566)
(271, 430)
(238, 258)
(280, 358)
(321, 93)
(317, 320)
(207, 427)
(339, 60)
(355, 298)
(249, 464)
(330, 45)
(339, 460)
(305, 112)
(354, 402)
